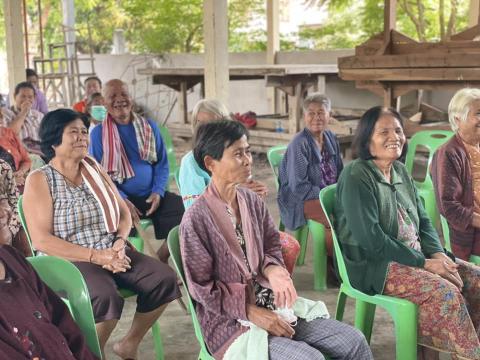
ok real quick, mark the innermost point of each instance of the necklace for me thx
(67, 179)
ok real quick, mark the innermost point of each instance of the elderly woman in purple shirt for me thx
(312, 161)
(233, 261)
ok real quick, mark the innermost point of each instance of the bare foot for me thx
(124, 350)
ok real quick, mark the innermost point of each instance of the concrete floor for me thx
(176, 326)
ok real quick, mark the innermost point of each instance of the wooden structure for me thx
(294, 80)
(391, 64)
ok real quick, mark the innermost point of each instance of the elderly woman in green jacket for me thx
(392, 247)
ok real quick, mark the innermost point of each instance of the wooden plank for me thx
(282, 81)
(410, 61)
(469, 34)
(419, 74)
(371, 46)
(447, 47)
(398, 37)
(246, 70)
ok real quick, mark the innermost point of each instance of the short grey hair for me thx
(213, 106)
(317, 98)
(459, 106)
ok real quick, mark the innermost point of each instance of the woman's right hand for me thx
(269, 321)
(446, 269)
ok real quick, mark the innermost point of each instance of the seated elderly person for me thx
(13, 151)
(312, 161)
(131, 149)
(40, 102)
(233, 263)
(456, 174)
(23, 119)
(193, 180)
(35, 322)
(74, 211)
(390, 246)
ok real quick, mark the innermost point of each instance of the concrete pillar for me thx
(473, 13)
(273, 45)
(215, 30)
(12, 10)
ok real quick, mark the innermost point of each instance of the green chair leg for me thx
(364, 316)
(301, 234)
(317, 232)
(405, 322)
(157, 341)
(342, 299)
(145, 223)
(281, 227)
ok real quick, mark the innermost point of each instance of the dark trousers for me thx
(166, 217)
(154, 282)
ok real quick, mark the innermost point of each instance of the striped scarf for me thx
(102, 191)
(115, 159)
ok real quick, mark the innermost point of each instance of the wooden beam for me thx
(390, 19)
(215, 28)
(446, 47)
(273, 46)
(182, 106)
(418, 74)
(411, 61)
(12, 10)
(295, 109)
(469, 34)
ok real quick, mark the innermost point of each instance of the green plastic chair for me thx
(172, 160)
(62, 276)
(275, 156)
(174, 247)
(138, 243)
(431, 140)
(403, 312)
(474, 259)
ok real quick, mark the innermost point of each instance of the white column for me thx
(273, 45)
(15, 48)
(215, 29)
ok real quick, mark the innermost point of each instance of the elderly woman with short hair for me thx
(456, 174)
(193, 180)
(234, 268)
(74, 211)
(312, 161)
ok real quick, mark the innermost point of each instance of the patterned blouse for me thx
(407, 231)
(263, 296)
(77, 215)
(9, 193)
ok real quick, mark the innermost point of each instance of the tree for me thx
(423, 20)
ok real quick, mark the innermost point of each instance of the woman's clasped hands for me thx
(113, 259)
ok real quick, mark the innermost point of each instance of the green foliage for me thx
(351, 22)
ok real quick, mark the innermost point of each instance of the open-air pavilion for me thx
(389, 69)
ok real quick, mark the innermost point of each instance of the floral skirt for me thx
(448, 319)
(290, 250)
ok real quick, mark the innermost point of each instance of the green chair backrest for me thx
(327, 200)
(431, 140)
(275, 156)
(64, 278)
(168, 142)
(446, 233)
(23, 222)
(173, 242)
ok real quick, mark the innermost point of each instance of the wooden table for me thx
(292, 79)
